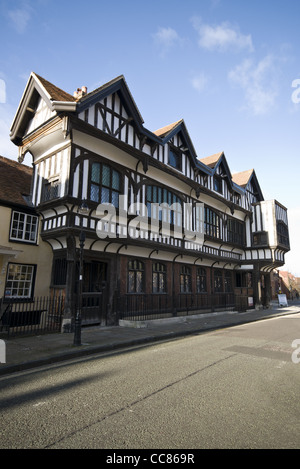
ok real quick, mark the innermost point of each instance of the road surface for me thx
(233, 388)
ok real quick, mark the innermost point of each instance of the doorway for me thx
(94, 293)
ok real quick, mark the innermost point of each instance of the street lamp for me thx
(83, 209)
(77, 332)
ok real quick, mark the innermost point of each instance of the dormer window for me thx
(175, 159)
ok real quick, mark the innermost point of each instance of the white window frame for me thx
(19, 280)
(16, 226)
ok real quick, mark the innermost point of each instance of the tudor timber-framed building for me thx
(94, 147)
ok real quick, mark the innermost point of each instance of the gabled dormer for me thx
(112, 110)
(221, 178)
(181, 154)
(249, 182)
(112, 100)
(40, 102)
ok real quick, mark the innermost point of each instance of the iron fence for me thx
(143, 306)
(44, 315)
(37, 316)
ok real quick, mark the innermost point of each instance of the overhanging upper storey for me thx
(270, 225)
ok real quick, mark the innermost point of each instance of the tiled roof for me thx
(212, 160)
(56, 93)
(103, 87)
(242, 179)
(165, 130)
(15, 181)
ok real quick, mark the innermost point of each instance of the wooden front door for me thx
(94, 293)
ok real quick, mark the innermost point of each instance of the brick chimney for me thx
(80, 92)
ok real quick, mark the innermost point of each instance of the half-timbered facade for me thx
(159, 223)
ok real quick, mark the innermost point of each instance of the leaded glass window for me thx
(185, 280)
(235, 231)
(159, 278)
(171, 212)
(218, 281)
(212, 223)
(105, 184)
(228, 282)
(135, 276)
(201, 280)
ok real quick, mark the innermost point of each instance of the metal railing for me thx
(36, 316)
(44, 315)
(154, 306)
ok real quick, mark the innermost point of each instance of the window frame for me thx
(51, 189)
(228, 282)
(101, 187)
(260, 238)
(218, 281)
(235, 231)
(161, 195)
(23, 230)
(212, 223)
(134, 268)
(59, 271)
(31, 281)
(282, 233)
(217, 184)
(185, 279)
(159, 278)
(175, 154)
(201, 280)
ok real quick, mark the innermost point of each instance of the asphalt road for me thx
(233, 388)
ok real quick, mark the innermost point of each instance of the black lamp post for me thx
(77, 332)
(83, 209)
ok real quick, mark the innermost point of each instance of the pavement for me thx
(23, 353)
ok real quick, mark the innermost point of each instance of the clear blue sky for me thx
(225, 66)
